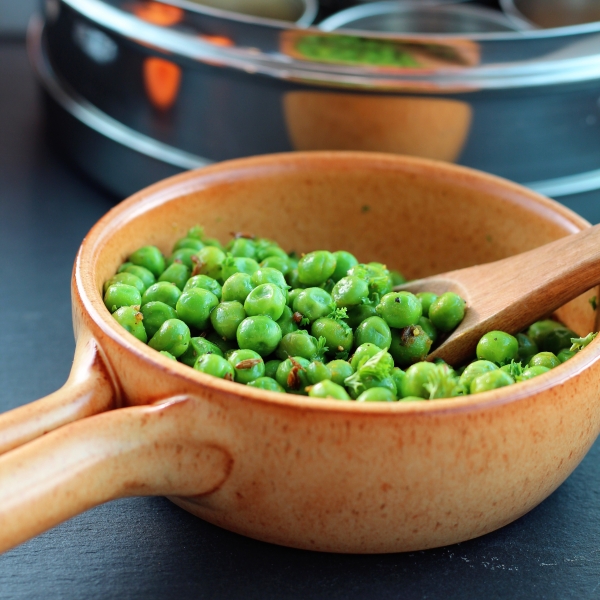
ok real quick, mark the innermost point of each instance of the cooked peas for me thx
(498, 347)
(447, 311)
(400, 309)
(131, 319)
(121, 294)
(272, 325)
(173, 336)
(259, 333)
(247, 364)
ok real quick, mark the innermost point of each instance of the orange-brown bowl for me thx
(302, 472)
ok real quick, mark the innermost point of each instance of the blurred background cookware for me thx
(137, 90)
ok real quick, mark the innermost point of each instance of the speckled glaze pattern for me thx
(317, 474)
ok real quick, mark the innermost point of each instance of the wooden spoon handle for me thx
(146, 450)
(88, 391)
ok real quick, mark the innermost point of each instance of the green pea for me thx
(121, 294)
(476, 368)
(317, 371)
(491, 381)
(531, 372)
(377, 394)
(132, 320)
(426, 299)
(124, 266)
(194, 307)
(258, 333)
(498, 347)
(173, 336)
(196, 232)
(298, 343)
(556, 340)
(447, 311)
(226, 317)
(176, 273)
(328, 389)
(188, 243)
(409, 345)
(540, 329)
(168, 355)
(350, 291)
(374, 330)
(144, 274)
(397, 278)
(527, 348)
(271, 367)
(316, 267)
(162, 292)
(291, 375)
(293, 280)
(340, 370)
(358, 314)
(242, 247)
(292, 295)
(223, 345)
(415, 378)
(237, 287)
(377, 276)
(266, 383)
(185, 256)
(268, 275)
(363, 353)
(197, 347)
(269, 249)
(206, 283)
(313, 303)
(338, 336)
(238, 264)
(565, 355)
(412, 399)
(276, 262)
(400, 309)
(155, 314)
(210, 262)
(398, 376)
(127, 279)
(286, 321)
(149, 257)
(544, 359)
(266, 299)
(343, 262)
(215, 365)
(427, 326)
(248, 365)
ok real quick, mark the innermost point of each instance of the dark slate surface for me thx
(147, 547)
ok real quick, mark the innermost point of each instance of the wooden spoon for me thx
(510, 294)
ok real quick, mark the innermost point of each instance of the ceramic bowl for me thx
(316, 474)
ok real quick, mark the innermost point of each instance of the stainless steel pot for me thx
(423, 16)
(137, 90)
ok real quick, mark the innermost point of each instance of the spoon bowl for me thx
(510, 294)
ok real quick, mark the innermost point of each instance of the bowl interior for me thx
(414, 215)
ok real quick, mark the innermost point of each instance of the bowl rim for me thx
(83, 281)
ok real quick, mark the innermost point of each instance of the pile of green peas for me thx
(322, 324)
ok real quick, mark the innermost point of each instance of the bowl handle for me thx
(89, 390)
(169, 448)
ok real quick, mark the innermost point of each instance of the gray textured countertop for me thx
(147, 547)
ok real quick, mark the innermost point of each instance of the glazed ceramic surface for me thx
(317, 474)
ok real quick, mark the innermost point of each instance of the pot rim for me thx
(521, 59)
(83, 281)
